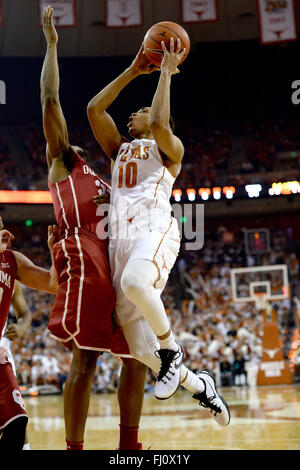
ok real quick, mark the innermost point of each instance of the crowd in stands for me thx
(8, 179)
(213, 157)
(215, 332)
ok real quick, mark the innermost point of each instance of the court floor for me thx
(262, 418)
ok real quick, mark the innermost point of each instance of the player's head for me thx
(1, 223)
(139, 123)
(83, 153)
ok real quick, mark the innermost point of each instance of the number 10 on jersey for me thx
(127, 175)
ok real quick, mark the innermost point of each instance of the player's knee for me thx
(132, 284)
(83, 363)
(134, 366)
(148, 359)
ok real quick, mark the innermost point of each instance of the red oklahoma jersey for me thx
(73, 198)
(85, 299)
(11, 402)
(8, 273)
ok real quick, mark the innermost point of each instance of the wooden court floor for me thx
(262, 418)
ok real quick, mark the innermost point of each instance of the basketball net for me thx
(261, 300)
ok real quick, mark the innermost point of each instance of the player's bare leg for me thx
(130, 397)
(77, 392)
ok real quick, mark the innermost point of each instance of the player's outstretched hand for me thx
(5, 240)
(141, 64)
(3, 356)
(52, 236)
(48, 26)
(14, 331)
(98, 200)
(172, 58)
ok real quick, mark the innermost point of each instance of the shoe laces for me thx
(167, 356)
(208, 402)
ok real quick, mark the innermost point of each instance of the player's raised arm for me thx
(55, 128)
(103, 126)
(22, 313)
(168, 143)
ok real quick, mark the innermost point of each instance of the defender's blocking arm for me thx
(55, 127)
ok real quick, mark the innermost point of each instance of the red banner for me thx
(123, 13)
(64, 14)
(277, 21)
(199, 11)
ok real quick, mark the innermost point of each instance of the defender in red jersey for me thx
(82, 314)
(13, 266)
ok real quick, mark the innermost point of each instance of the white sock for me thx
(168, 343)
(26, 446)
(190, 381)
(142, 343)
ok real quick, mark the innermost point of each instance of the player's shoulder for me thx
(20, 258)
(8, 260)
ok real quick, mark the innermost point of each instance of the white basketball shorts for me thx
(158, 242)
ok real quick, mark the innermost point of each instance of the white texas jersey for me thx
(140, 179)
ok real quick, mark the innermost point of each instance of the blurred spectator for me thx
(226, 372)
(238, 370)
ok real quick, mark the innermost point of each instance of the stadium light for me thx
(229, 191)
(253, 190)
(177, 194)
(217, 193)
(286, 188)
(191, 193)
(204, 193)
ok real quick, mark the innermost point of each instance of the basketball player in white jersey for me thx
(144, 240)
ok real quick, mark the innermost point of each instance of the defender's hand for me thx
(141, 64)
(52, 236)
(5, 240)
(3, 356)
(98, 200)
(48, 26)
(14, 331)
(172, 58)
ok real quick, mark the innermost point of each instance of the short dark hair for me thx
(83, 153)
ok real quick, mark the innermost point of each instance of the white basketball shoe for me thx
(168, 379)
(210, 398)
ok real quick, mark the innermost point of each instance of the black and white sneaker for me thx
(210, 398)
(168, 379)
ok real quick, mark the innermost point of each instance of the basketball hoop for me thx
(260, 299)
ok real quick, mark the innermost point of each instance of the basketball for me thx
(163, 31)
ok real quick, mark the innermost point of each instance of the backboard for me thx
(271, 279)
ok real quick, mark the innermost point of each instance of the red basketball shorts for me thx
(85, 300)
(11, 402)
